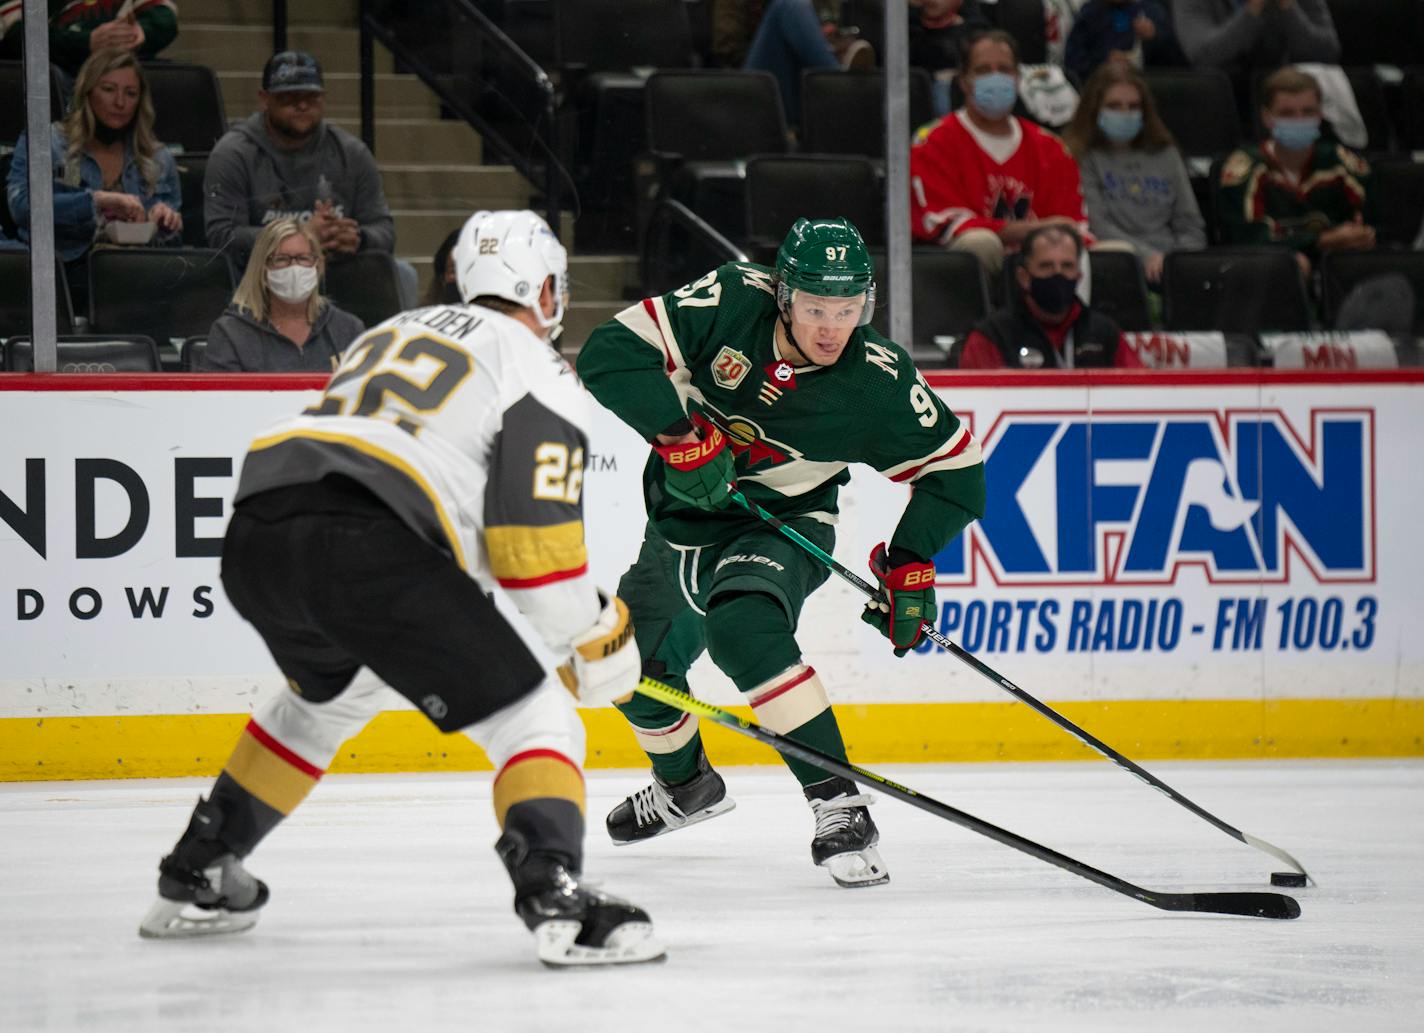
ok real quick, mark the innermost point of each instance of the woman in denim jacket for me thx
(108, 165)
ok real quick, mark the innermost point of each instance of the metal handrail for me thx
(654, 267)
(528, 75)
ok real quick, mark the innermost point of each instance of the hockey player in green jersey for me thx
(772, 379)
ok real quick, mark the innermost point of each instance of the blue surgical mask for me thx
(1120, 126)
(995, 94)
(1296, 134)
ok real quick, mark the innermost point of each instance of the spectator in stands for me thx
(733, 24)
(1296, 189)
(1048, 326)
(798, 34)
(1238, 35)
(1134, 180)
(78, 28)
(278, 321)
(287, 161)
(1135, 31)
(108, 165)
(982, 179)
(940, 30)
(444, 289)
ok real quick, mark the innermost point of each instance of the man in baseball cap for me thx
(292, 71)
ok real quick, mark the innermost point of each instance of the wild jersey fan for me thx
(369, 533)
(770, 378)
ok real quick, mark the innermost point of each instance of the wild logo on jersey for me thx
(750, 445)
(1130, 498)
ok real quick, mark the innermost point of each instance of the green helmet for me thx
(827, 258)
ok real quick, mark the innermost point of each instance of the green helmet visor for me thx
(835, 313)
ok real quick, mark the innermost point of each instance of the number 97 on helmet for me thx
(824, 274)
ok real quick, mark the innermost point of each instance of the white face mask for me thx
(294, 283)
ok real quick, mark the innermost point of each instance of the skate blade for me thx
(722, 806)
(857, 868)
(628, 944)
(181, 920)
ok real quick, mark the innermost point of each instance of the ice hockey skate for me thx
(572, 924)
(661, 807)
(845, 838)
(203, 889)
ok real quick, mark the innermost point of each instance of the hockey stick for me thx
(1250, 904)
(998, 679)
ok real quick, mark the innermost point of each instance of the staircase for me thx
(433, 169)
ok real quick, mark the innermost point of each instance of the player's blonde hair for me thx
(253, 295)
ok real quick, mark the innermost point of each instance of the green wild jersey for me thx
(710, 347)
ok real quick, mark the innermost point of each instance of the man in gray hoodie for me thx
(286, 161)
(1237, 35)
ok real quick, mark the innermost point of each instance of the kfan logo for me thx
(1134, 497)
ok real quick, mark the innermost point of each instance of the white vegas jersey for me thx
(474, 432)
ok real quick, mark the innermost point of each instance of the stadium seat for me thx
(1198, 106)
(187, 106)
(845, 114)
(1400, 207)
(161, 292)
(12, 101)
(701, 126)
(15, 308)
(948, 292)
(106, 353)
(1379, 31)
(193, 349)
(366, 285)
(191, 170)
(1341, 271)
(620, 35)
(783, 187)
(1234, 290)
(1024, 20)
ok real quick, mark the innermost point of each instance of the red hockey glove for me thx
(908, 599)
(699, 472)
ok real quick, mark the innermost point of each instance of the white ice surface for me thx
(390, 912)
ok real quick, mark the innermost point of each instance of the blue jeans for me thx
(788, 40)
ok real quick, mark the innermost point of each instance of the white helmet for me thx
(509, 254)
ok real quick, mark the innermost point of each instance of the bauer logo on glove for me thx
(907, 600)
(700, 472)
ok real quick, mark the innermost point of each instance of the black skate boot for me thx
(573, 925)
(660, 807)
(203, 890)
(845, 834)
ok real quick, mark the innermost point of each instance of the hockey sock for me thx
(539, 801)
(749, 637)
(262, 782)
(667, 735)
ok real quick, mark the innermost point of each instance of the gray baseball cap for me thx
(290, 71)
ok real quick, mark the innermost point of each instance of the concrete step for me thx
(439, 140)
(397, 96)
(593, 278)
(442, 187)
(226, 47)
(259, 13)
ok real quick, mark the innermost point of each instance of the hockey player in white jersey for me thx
(444, 459)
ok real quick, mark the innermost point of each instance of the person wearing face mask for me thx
(1134, 180)
(278, 321)
(108, 166)
(982, 179)
(1049, 327)
(1296, 189)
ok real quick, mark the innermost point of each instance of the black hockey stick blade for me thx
(1253, 905)
(1043, 709)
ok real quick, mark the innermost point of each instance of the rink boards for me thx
(1189, 565)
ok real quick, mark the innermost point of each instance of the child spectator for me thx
(1048, 326)
(1136, 31)
(1134, 180)
(278, 321)
(1296, 189)
(78, 28)
(108, 166)
(982, 179)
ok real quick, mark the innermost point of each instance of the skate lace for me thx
(653, 802)
(835, 815)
